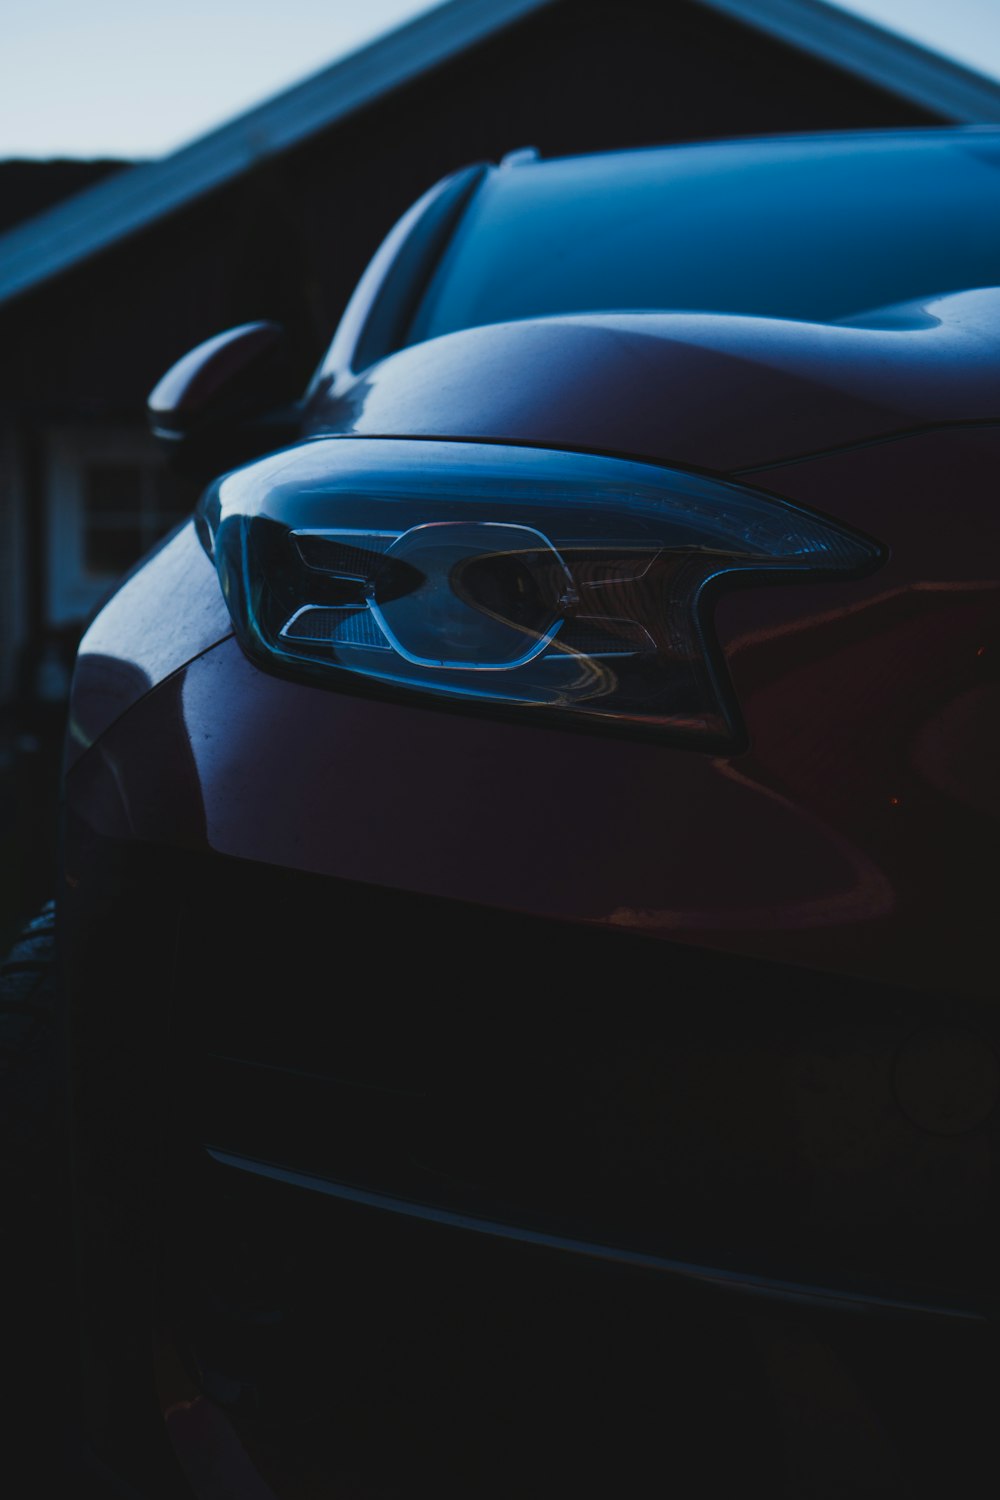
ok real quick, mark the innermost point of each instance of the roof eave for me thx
(89, 222)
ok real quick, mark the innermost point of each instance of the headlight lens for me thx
(557, 584)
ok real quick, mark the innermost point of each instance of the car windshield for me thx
(814, 229)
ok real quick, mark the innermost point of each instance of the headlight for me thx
(560, 585)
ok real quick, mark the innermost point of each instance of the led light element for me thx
(483, 599)
(559, 584)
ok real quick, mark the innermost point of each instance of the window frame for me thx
(73, 589)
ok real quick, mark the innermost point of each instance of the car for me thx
(527, 902)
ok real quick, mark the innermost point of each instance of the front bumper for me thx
(488, 1027)
(343, 1150)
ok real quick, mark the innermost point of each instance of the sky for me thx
(134, 78)
(131, 78)
(966, 30)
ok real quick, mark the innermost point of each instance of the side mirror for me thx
(226, 400)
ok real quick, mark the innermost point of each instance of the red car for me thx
(530, 848)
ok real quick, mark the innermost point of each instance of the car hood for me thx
(711, 391)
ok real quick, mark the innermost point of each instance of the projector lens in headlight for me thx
(553, 583)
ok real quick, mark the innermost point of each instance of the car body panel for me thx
(838, 840)
(700, 390)
(163, 615)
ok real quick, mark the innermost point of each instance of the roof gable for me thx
(94, 220)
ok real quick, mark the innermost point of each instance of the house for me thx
(276, 213)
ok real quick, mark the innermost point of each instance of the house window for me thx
(127, 507)
(111, 499)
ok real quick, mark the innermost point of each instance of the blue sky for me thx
(130, 78)
(133, 78)
(966, 30)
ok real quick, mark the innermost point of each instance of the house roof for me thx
(91, 221)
